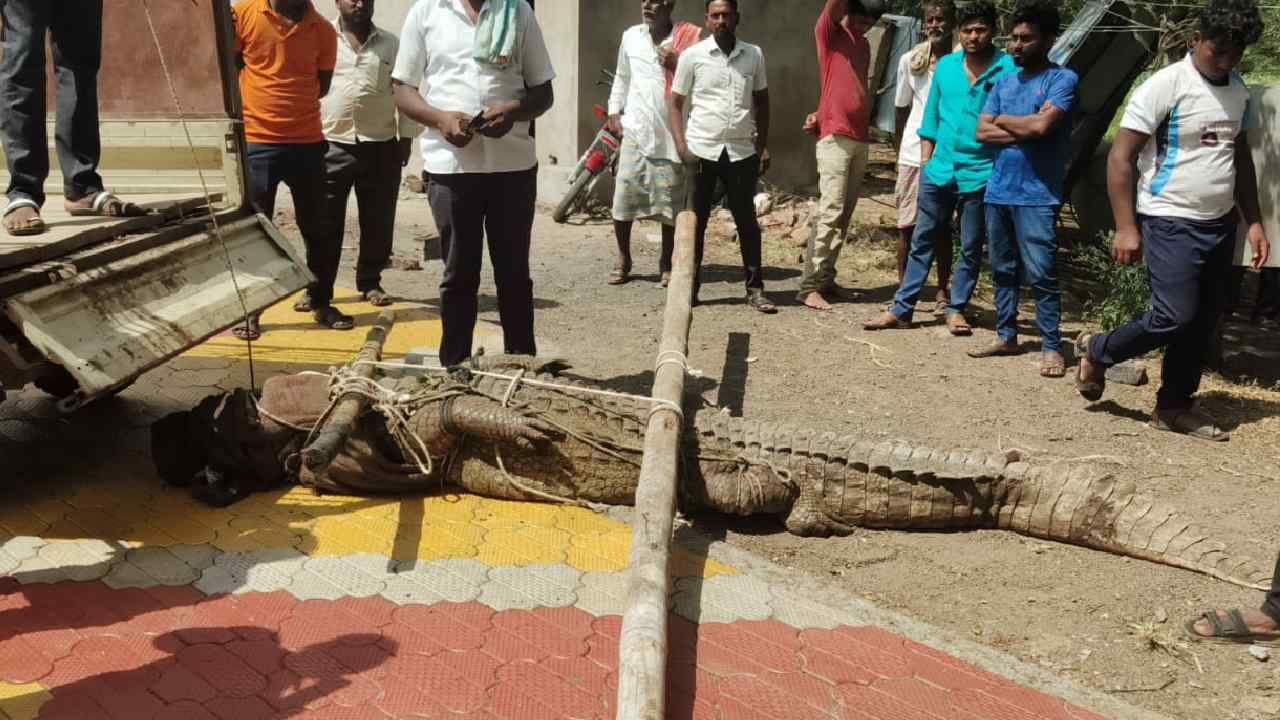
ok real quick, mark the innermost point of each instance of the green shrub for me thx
(1123, 292)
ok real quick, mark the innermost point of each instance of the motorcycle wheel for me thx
(570, 201)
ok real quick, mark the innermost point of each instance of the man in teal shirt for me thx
(956, 168)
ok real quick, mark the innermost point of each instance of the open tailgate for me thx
(110, 313)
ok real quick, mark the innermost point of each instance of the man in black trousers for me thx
(75, 29)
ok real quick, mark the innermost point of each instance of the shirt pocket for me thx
(382, 84)
(743, 83)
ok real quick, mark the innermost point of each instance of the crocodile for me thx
(513, 430)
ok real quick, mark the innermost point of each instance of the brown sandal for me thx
(1190, 422)
(377, 297)
(25, 224)
(621, 275)
(887, 321)
(1090, 384)
(249, 330)
(958, 326)
(103, 204)
(999, 348)
(1052, 365)
(333, 318)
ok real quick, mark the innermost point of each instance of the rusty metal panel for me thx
(108, 325)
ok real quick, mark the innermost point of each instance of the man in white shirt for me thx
(915, 77)
(477, 151)
(1185, 130)
(369, 142)
(651, 178)
(722, 80)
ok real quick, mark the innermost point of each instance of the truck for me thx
(92, 304)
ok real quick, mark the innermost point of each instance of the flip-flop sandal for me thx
(332, 318)
(619, 276)
(1189, 422)
(1234, 632)
(1052, 365)
(887, 321)
(31, 226)
(377, 297)
(303, 305)
(960, 328)
(665, 280)
(105, 204)
(249, 330)
(996, 349)
(1090, 387)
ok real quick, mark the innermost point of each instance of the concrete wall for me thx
(583, 38)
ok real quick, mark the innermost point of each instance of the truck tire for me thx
(57, 382)
(570, 201)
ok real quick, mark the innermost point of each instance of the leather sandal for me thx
(1235, 630)
(887, 321)
(758, 302)
(332, 318)
(32, 224)
(1191, 422)
(1091, 384)
(103, 204)
(303, 305)
(377, 297)
(999, 348)
(1052, 365)
(249, 330)
(958, 326)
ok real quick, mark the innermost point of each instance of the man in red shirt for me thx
(841, 124)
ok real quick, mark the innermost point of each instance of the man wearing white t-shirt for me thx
(475, 73)
(915, 77)
(1184, 130)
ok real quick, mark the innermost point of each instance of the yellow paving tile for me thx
(22, 702)
(292, 338)
(523, 545)
(498, 514)
(600, 552)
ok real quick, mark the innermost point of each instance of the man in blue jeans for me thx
(956, 168)
(1028, 116)
(1185, 130)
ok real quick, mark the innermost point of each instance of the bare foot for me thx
(815, 301)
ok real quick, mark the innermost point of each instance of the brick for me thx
(179, 683)
(875, 704)
(923, 696)
(250, 708)
(264, 656)
(852, 648)
(981, 705)
(767, 701)
(185, 710)
(222, 669)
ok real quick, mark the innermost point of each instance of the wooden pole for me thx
(642, 651)
(333, 436)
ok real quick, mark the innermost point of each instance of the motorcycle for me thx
(602, 154)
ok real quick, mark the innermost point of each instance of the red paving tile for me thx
(172, 654)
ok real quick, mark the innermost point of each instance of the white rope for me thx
(658, 403)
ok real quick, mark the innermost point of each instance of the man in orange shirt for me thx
(287, 53)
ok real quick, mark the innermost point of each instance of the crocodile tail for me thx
(1084, 504)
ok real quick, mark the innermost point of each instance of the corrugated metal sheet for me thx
(1108, 62)
(110, 324)
(1264, 140)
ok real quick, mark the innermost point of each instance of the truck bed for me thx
(67, 234)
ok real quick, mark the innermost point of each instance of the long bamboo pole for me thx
(333, 436)
(642, 652)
